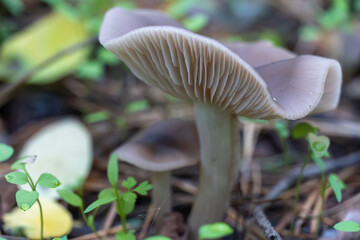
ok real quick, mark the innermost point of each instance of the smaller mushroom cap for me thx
(164, 146)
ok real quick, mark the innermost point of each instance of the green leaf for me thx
(113, 170)
(143, 188)
(196, 22)
(215, 230)
(129, 197)
(18, 178)
(48, 180)
(16, 7)
(301, 130)
(337, 185)
(318, 144)
(26, 199)
(98, 203)
(121, 235)
(347, 226)
(97, 117)
(157, 238)
(129, 183)
(137, 106)
(281, 127)
(90, 70)
(108, 192)
(70, 197)
(5, 152)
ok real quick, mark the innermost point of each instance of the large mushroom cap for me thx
(272, 84)
(166, 145)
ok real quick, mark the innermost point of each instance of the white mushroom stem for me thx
(220, 157)
(161, 196)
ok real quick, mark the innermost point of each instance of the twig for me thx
(289, 180)
(266, 226)
(147, 222)
(22, 78)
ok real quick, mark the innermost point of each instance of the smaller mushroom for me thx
(162, 147)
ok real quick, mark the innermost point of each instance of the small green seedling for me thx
(318, 149)
(347, 226)
(26, 199)
(125, 201)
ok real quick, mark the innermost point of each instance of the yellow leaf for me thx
(57, 220)
(43, 39)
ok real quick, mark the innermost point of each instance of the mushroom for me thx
(160, 148)
(222, 85)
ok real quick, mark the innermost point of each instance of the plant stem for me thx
(323, 189)
(86, 220)
(220, 157)
(41, 220)
(118, 205)
(33, 187)
(297, 193)
(31, 182)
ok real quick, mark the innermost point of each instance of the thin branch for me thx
(22, 78)
(266, 226)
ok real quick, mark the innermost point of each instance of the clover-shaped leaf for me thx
(18, 178)
(319, 144)
(26, 199)
(48, 180)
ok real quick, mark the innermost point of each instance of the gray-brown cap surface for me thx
(241, 79)
(166, 145)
